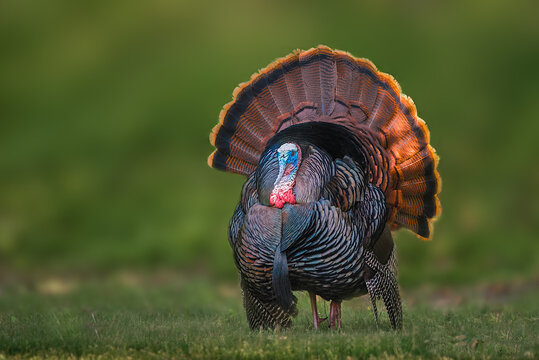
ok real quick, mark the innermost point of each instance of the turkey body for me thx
(326, 181)
(321, 240)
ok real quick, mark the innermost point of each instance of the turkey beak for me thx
(282, 166)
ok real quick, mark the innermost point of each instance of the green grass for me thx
(198, 319)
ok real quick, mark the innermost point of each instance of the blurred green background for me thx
(106, 107)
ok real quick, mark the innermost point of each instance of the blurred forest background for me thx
(106, 107)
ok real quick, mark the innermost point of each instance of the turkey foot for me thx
(317, 320)
(335, 315)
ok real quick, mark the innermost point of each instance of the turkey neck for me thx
(312, 173)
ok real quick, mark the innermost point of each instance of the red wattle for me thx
(279, 198)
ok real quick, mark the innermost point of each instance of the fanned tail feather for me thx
(322, 84)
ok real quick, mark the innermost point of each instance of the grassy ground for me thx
(127, 318)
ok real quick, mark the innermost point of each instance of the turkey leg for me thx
(316, 319)
(335, 315)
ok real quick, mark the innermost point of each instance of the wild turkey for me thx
(335, 158)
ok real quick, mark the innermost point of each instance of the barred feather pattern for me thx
(328, 257)
(384, 285)
(347, 185)
(264, 315)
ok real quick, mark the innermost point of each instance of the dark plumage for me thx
(335, 156)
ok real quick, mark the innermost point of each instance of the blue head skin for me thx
(288, 155)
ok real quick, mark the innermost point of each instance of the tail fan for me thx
(328, 85)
